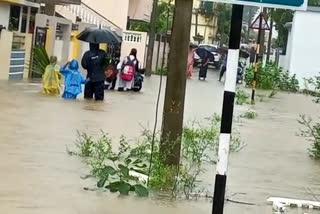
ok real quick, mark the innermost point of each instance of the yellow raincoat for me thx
(51, 80)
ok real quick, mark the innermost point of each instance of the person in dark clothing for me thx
(93, 62)
(223, 67)
(252, 55)
(204, 67)
(112, 72)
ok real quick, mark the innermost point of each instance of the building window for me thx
(14, 17)
(24, 20)
(32, 22)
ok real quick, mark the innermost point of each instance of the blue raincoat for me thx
(73, 80)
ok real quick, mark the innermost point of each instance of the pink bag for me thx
(128, 70)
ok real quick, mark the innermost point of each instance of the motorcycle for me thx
(138, 80)
(240, 73)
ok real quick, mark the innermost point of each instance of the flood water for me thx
(39, 177)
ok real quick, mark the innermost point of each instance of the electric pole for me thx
(270, 36)
(227, 111)
(152, 34)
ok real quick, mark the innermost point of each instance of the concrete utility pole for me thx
(172, 125)
(263, 33)
(258, 59)
(249, 24)
(227, 111)
(152, 34)
(270, 35)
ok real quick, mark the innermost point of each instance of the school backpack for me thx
(128, 70)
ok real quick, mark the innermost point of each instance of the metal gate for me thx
(17, 64)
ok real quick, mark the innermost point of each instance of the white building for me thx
(302, 56)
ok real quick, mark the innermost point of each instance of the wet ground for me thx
(37, 175)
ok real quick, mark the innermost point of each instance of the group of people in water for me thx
(203, 66)
(101, 74)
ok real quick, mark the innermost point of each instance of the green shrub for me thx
(312, 130)
(288, 83)
(312, 133)
(127, 170)
(250, 114)
(315, 82)
(271, 77)
(242, 97)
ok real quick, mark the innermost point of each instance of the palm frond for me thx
(40, 60)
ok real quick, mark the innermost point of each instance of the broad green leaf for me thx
(141, 165)
(113, 158)
(124, 170)
(141, 171)
(113, 187)
(102, 182)
(137, 161)
(109, 170)
(124, 188)
(128, 161)
(141, 191)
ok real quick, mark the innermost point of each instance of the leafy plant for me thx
(199, 148)
(288, 83)
(163, 23)
(127, 169)
(312, 133)
(315, 83)
(271, 77)
(250, 114)
(242, 97)
(40, 60)
(116, 171)
(163, 71)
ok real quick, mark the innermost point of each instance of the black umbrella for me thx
(204, 53)
(97, 36)
(243, 53)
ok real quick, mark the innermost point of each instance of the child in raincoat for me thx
(73, 80)
(51, 78)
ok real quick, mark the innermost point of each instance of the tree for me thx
(248, 15)
(281, 17)
(314, 3)
(161, 23)
(165, 10)
(223, 12)
(172, 125)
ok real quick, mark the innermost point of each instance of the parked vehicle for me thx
(241, 69)
(213, 49)
(138, 80)
(240, 73)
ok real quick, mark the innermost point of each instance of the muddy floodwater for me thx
(39, 177)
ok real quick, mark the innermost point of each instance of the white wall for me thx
(4, 14)
(5, 53)
(130, 41)
(114, 10)
(140, 9)
(58, 50)
(305, 45)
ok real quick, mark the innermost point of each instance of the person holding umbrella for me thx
(94, 59)
(205, 56)
(93, 62)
